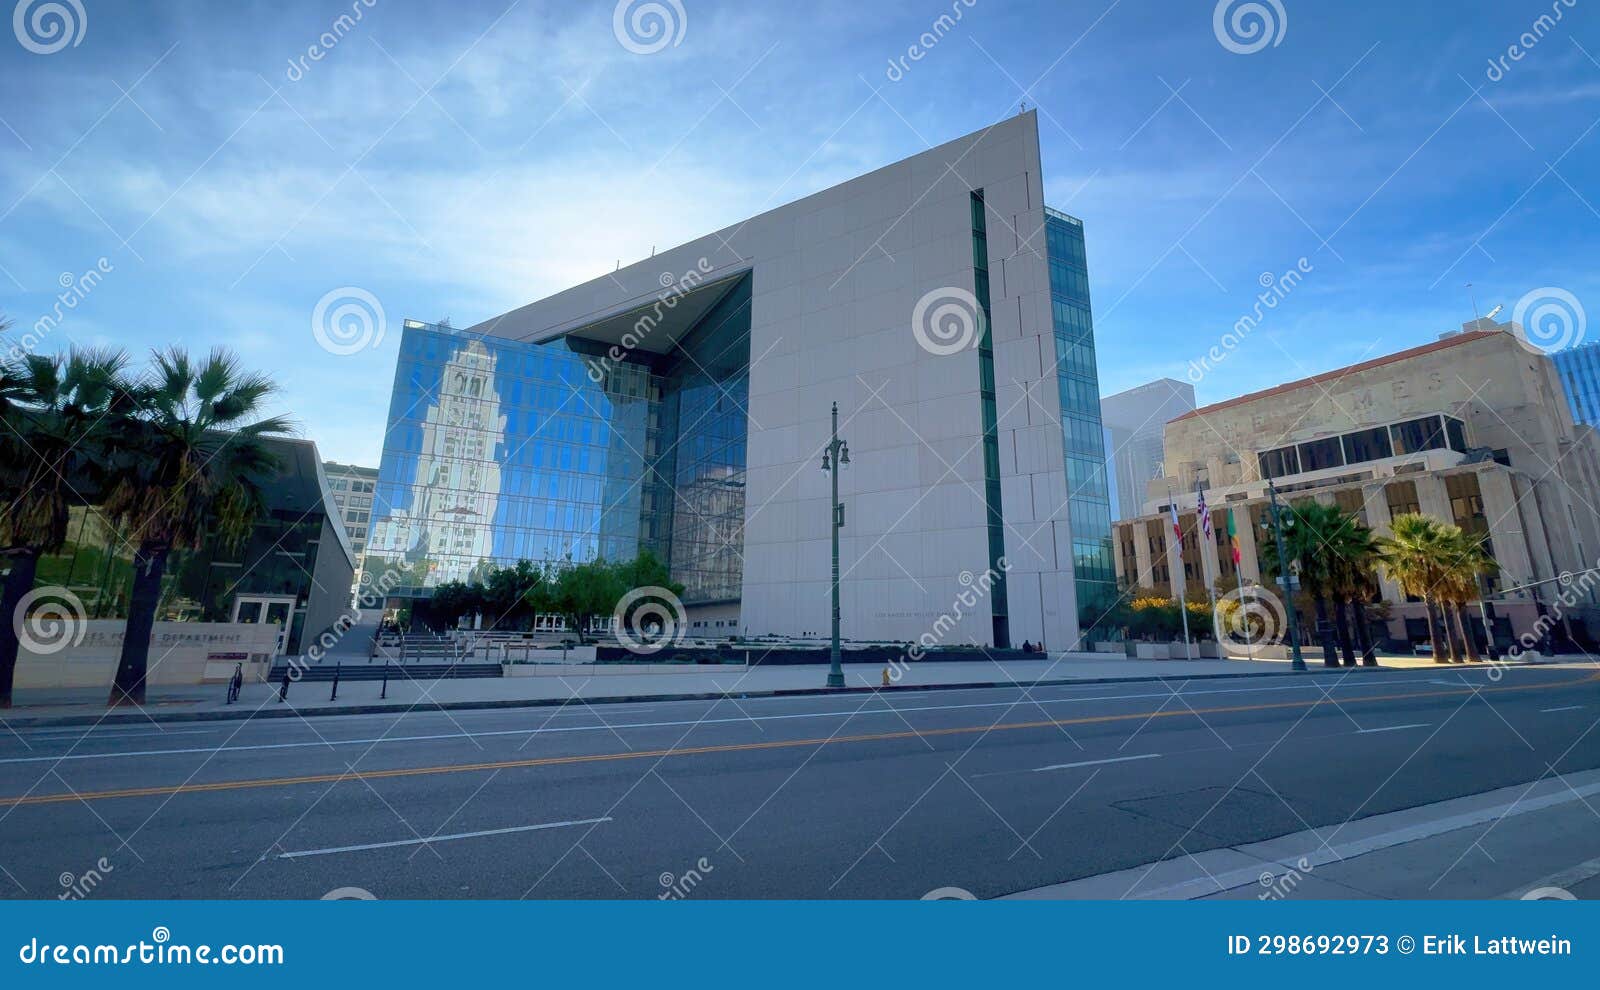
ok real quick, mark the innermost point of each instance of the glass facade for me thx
(1410, 437)
(998, 599)
(1579, 368)
(499, 451)
(1078, 381)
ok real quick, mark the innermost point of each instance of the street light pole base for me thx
(836, 680)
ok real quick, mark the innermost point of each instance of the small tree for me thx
(581, 592)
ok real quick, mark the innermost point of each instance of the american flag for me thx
(1205, 515)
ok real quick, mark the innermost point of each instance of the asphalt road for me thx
(852, 796)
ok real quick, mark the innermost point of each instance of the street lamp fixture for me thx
(836, 454)
(1298, 662)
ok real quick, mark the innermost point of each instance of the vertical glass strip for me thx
(991, 430)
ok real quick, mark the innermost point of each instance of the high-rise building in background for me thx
(1579, 368)
(353, 487)
(681, 405)
(1134, 421)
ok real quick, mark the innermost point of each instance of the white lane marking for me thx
(434, 737)
(52, 735)
(1394, 728)
(1095, 763)
(1568, 708)
(439, 838)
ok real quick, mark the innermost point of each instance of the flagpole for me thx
(1206, 532)
(1177, 530)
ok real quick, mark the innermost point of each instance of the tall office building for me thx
(1134, 420)
(681, 404)
(1579, 368)
(352, 488)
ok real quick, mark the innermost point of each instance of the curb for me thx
(401, 708)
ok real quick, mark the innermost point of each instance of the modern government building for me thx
(681, 404)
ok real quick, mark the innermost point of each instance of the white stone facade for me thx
(837, 277)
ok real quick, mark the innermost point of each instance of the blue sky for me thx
(459, 159)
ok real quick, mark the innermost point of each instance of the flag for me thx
(1233, 538)
(1205, 516)
(1177, 530)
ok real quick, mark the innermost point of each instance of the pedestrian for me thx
(283, 689)
(235, 683)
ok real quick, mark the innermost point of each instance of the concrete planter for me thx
(1154, 651)
(1114, 648)
(1210, 649)
(1180, 650)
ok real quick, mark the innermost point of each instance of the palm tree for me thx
(1303, 527)
(57, 414)
(1354, 550)
(1413, 556)
(1465, 561)
(191, 466)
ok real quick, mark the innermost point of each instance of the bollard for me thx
(334, 696)
(383, 692)
(886, 677)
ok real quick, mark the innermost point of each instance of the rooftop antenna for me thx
(1474, 302)
(1024, 108)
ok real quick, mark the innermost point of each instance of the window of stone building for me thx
(1316, 455)
(1418, 434)
(1402, 496)
(1367, 445)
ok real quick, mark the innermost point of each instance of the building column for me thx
(1244, 527)
(1141, 555)
(1433, 498)
(1524, 494)
(1375, 505)
(1506, 534)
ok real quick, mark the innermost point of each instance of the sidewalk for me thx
(604, 684)
(1534, 841)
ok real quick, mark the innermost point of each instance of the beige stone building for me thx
(1473, 429)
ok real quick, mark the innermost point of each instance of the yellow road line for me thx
(550, 761)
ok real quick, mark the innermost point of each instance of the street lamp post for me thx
(1298, 662)
(835, 456)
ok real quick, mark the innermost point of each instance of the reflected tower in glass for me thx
(500, 450)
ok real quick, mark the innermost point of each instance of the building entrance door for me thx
(274, 609)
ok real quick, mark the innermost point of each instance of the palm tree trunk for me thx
(1330, 654)
(1342, 628)
(24, 565)
(149, 565)
(1464, 623)
(1451, 639)
(1369, 657)
(1433, 631)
